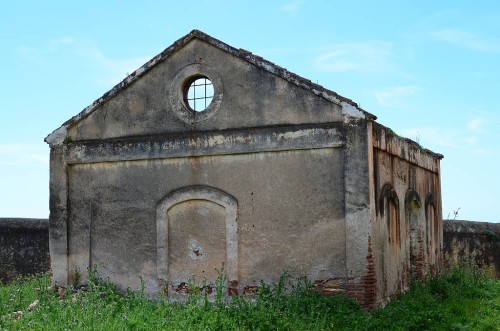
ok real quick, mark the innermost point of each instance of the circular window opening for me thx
(199, 94)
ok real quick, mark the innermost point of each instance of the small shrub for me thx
(492, 236)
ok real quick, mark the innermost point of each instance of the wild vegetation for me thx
(461, 299)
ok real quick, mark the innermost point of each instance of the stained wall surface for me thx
(276, 174)
(250, 97)
(289, 216)
(476, 244)
(24, 247)
(274, 148)
(407, 229)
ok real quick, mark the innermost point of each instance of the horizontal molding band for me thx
(206, 143)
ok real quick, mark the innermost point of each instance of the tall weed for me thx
(461, 299)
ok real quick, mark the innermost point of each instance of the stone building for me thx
(208, 154)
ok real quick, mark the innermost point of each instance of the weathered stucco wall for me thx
(472, 243)
(289, 216)
(24, 247)
(277, 173)
(249, 98)
(274, 147)
(360, 281)
(407, 232)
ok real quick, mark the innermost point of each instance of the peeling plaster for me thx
(57, 137)
(195, 251)
(352, 112)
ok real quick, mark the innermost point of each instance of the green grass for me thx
(461, 299)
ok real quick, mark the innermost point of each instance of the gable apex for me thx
(349, 107)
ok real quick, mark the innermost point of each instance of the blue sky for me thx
(428, 69)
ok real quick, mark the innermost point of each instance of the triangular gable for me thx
(349, 107)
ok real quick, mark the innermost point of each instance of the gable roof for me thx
(351, 107)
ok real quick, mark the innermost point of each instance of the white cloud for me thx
(17, 154)
(58, 44)
(292, 7)
(112, 71)
(65, 40)
(467, 40)
(392, 97)
(475, 124)
(433, 136)
(468, 137)
(109, 71)
(370, 57)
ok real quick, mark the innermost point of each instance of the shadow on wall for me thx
(472, 243)
(24, 247)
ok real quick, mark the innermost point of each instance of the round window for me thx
(195, 93)
(199, 93)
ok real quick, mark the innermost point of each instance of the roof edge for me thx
(275, 69)
(54, 138)
(350, 108)
(410, 142)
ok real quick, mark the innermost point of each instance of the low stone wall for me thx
(472, 243)
(24, 247)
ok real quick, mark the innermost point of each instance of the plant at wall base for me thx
(92, 274)
(461, 299)
(77, 278)
(279, 290)
(193, 291)
(282, 284)
(143, 284)
(220, 286)
(205, 290)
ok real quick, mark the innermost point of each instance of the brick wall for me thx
(364, 289)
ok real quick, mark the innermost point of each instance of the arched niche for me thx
(414, 223)
(389, 207)
(412, 199)
(224, 205)
(432, 225)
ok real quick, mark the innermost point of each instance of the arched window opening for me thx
(389, 207)
(393, 222)
(434, 225)
(432, 228)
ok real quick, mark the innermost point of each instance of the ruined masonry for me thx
(210, 155)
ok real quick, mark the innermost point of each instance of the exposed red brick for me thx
(182, 288)
(250, 290)
(329, 287)
(420, 264)
(233, 288)
(370, 278)
(207, 289)
(364, 289)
